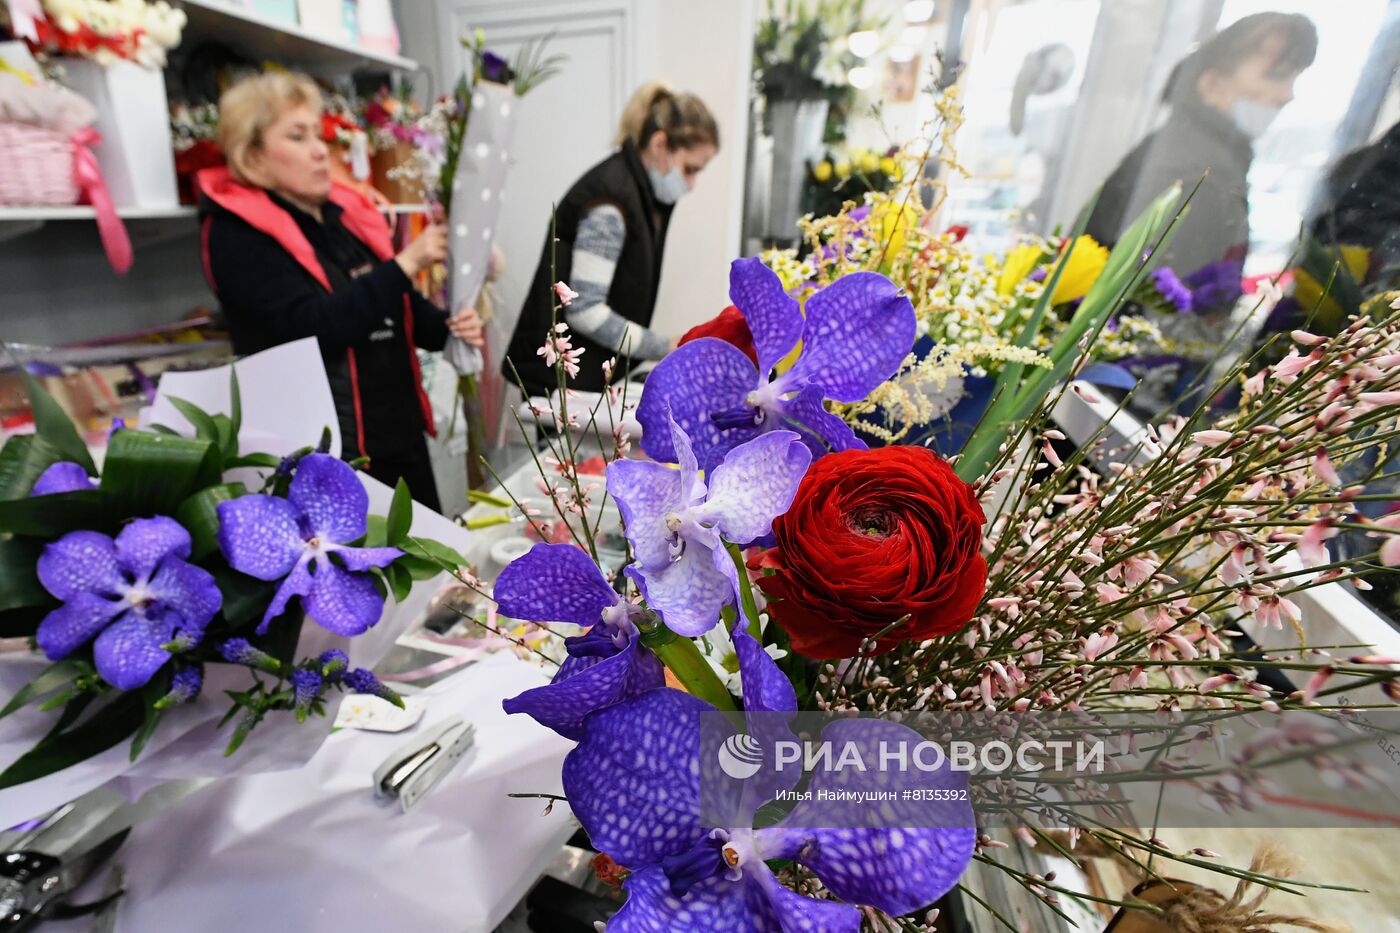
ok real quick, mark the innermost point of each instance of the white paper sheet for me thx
(313, 850)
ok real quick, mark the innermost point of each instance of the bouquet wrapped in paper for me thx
(193, 599)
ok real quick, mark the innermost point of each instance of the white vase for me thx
(136, 154)
(797, 127)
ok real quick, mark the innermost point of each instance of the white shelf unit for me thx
(46, 212)
(262, 37)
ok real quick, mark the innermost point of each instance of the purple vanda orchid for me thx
(134, 595)
(605, 666)
(857, 332)
(63, 476)
(634, 783)
(294, 539)
(678, 523)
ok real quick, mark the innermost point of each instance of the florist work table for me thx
(313, 849)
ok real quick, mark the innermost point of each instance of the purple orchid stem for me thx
(856, 333)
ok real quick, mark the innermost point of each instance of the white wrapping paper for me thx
(313, 850)
(476, 205)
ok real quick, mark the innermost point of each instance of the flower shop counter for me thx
(314, 850)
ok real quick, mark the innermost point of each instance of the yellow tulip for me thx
(869, 163)
(1085, 265)
(1019, 263)
(887, 165)
(843, 168)
(822, 171)
(893, 221)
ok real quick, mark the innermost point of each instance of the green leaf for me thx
(400, 581)
(19, 584)
(270, 461)
(63, 749)
(52, 679)
(419, 568)
(376, 532)
(151, 693)
(151, 474)
(22, 460)
(225, 436)
(51, 516)
(245, 599)
(400, 514)
(235, 408)
(204, 427)
(52, 424)
(199, 514)
(440, 554)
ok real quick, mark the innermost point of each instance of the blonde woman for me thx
(611, 228)
(292, 254)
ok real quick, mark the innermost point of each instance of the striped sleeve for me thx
(597, 247)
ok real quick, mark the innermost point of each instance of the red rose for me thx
(873, 536)
(728, 326)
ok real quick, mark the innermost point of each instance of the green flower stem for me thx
(745, 591)
(684, 660)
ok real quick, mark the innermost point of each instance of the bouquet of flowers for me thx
(194, 131)
(185, 561)
(777, 564)
(110, 30)
(845, 175)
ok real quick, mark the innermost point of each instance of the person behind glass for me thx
(1223, 96)
(291, 254)
(611, 231)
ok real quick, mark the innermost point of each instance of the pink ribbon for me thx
(88, 177)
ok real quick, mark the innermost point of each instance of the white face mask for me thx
(1252, 117)
(669, 187)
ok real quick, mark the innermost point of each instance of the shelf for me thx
(47, 212)
(260, 37)
(408, 209)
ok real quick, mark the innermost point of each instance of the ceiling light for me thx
(918, 11)
(864, 43)
(913, 36)
(860, 77)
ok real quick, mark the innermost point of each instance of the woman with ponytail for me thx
(611, 232)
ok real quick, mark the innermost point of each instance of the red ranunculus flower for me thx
(728, 326)
(872, 536)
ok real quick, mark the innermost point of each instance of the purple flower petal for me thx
(859, 329)
(364, 558)
(702, 377)
(75, 623)
(773, 316)
(145, 542)
(689, 592)
(128, 653)
(645, 491)
(345, 603)
(755, 484)
(823, 432)
(766, 688)
(63, 476)
(634, 779)
(588, 685)
(80, 562)
(189, 590)
(329, 496)
(716, 905)
(905, 854)
(554, 583)
(298, 583)
(259, 536)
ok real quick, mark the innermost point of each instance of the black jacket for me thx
(621, 180)
(366, 314)
(1195, 140)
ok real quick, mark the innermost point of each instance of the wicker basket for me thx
(38, 166)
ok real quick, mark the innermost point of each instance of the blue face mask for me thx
(669, 187)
